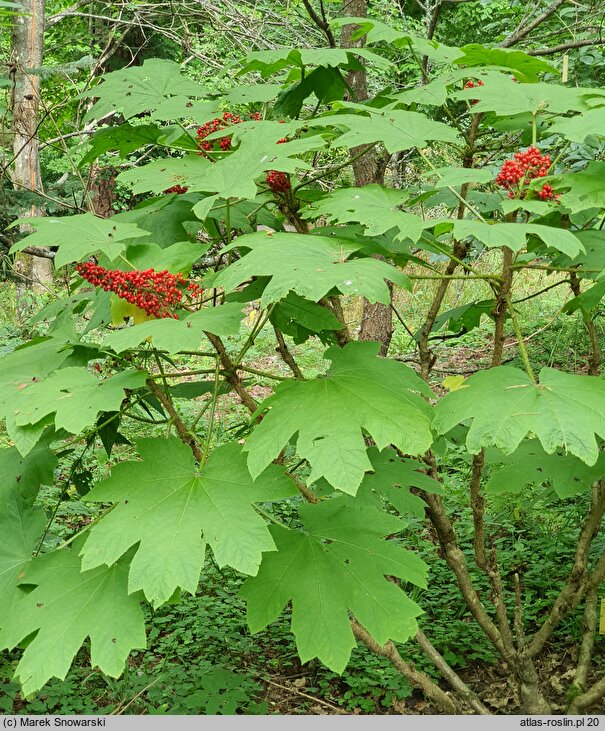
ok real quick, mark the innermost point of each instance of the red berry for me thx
(179, 189)
(278, 182)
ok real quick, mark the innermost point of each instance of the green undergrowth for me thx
(201, 657)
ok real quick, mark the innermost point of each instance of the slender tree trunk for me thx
(27, 51)
(376, 319)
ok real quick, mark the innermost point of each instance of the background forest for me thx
(302, 406)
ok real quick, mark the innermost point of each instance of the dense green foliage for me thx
(321, 498)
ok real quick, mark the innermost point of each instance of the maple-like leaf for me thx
(514, 235)
(505, 97)
(77, 237)
(563, 410)
(378, 32)
(336, 565)
(172, 510)
(454, 176)
(174, 335)
(21, 526)
(20, 369)
(159, 175)
(397, 130)
(74, 395)
(391, 478)
(374, 206)
(138, 89)
(270, 61)
(329, 414)
(66, 606)
(123, 138)
(309, 265)
(236, 175)
(581, 126)
(582, 189)
(524, 66)
(530, 464)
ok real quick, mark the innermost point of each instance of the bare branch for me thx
(567, 47)
(521, 31)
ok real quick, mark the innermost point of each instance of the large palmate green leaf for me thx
(74, 395)
(514, 235)
(464, 318)
(67, 606)
(590, 263)
(177, 257)
(122, 138)
(326, 83)
(587, 301)
(562, 410)
(530, 464)
(20, 369)
(172, 510)
(159, 175)
(309, 265)
(524, 67)
(21, 527)
(505, 97)
(164, 218)
(583, 189)
(360, 392)
(174, 335)
(377, 32)
(578, 128)
(374, 206)
(453, 176)
(300, 318)
(336, 565)
(139, 89)
(270, 61)
(77, 237)
(397, 130)
(391, 479)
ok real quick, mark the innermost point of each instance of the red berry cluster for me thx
(547, 193)
(278, 182)
(214, 125)
(523, 168)
(473, 85)
(179, 189)
(157, 293)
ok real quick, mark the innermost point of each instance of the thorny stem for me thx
(212, 414)
(589, 628)
(286, 355)
(500, 308)
(74, 466)
(596, 356)
(450, 675)
(184, 434)
(231, 373)
(478, 508)
(520, 341)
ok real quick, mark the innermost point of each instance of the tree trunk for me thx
(27, 50)
(376, 319)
